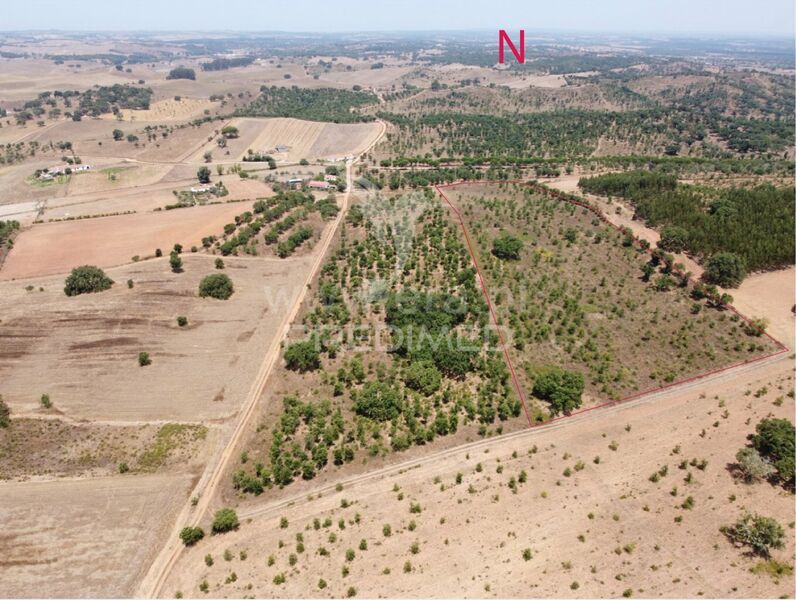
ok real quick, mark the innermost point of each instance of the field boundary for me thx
(583, 203)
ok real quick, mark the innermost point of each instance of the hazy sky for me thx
(686, 16)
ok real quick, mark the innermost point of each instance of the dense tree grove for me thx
(222, 64)
(86, 280)
(318, 104)
(181, 73)
(754, 224)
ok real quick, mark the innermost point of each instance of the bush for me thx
(725, 269)
(507, 247)
(143, 359)
(753, 467)
(219, 263)
(217, 286)
(86, 280)
(761, 533)
(225, 520)
(203, 175)
(182, 321)
(302, 356)
(5, 414)
(378, 401)
(562, 389)
(191, 535)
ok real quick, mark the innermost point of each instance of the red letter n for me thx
(504, 37)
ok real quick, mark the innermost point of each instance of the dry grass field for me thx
(84, 538)
(605, 527)
(110, 241)
(84, 349)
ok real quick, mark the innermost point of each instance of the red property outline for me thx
(564, 197)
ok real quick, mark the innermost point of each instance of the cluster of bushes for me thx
(294, 240)
(6, 229)
(266, 212)
(755, 225)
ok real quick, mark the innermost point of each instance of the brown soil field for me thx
(471, 536)
(84, 538)
(85, 348)
(49, 248)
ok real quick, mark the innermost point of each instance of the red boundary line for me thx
(598, 213)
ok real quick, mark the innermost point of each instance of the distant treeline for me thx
(756, 224)
(321, 104)
(222, 64)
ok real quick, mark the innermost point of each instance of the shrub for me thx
(203, 175)
(506, 246)
(175, 262)
(673, 239)
(219, 263)
(143, 359)
(761, 533)
(191, 535)
(5, 414)
(562, 389)
(45, 401)
(86, 280)
(753, 467)
(302, 356)
(725, 269)
(225, 520)
(217, 286)
(130, 283)
(182, 321)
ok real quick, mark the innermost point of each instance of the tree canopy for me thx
(562, 389)
(217, 285)
(86, 280)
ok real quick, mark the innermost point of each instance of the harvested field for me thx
(471, 535)
(85, 348)
(168, 110)
(312, 140)
(49, 248)
(84, 538)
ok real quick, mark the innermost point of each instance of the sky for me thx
(688, 17)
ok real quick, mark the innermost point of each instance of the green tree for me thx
(118, 135)
(673, 239)
(86, 280)
(378, 401)
(775, 439)
(191, 535)
(423, 376)
(143, 359)
(225, 520)
(506, 246)
(562, 389)
(762, 534)
(217, 285)
(302, 356)
(725, 269)
(203, 175)
(176, 262)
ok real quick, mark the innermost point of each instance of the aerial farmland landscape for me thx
(434, 301)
